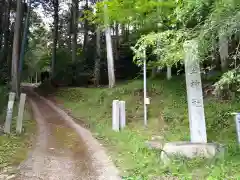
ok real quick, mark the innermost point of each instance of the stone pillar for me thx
(194, 93)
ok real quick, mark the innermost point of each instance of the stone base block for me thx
(190, 150)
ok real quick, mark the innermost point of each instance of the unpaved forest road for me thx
(59, 153)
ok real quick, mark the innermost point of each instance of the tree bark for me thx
(169, 72)
(25, 33)
(55, 37)
(2, 4)
(15, 52)
(111, 73)
(70, 25)
(85, 42)
(223, 51)
(6, 32)
(154, 72)
(117, 42)
(97, 59)
(74, 29)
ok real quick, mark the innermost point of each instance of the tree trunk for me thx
(21, 28)
(85, 42)
(55, 37)
(97, 59)
(74, 29)
(169, 72)
(25, 33)
(15, 52)
(36, 79)
(70, 25)
(117, 42)
(111, 73)
(154, 72)
(223, 51)
(6, 32)
(2, 4)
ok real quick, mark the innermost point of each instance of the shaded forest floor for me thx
(168, 117)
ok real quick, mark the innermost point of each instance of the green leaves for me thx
(133, 12)
(167, 45)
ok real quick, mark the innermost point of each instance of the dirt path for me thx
(59, 154)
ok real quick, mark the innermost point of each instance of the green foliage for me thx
(222, 21)
(134, 12)
(191, 13)
(168, 117)
(228, 85)
(167, 45)
(37, 57)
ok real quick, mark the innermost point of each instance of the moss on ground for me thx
(168, 117)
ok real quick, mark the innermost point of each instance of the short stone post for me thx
(20, 113)
(122, 110)
(237, 120)
(8, 121)
(194, 93)
(169, 72)
(115, 115)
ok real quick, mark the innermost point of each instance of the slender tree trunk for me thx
(74, 29)
(2, 4)
(21, 28)
(123, 32)
(36, 79)
(55, 37)
(111, 73)
(97, 59)
(223, 51)
(6, 32)
(117, 42)
(154, 72)
(15, 52)
(25, 33)
(70, 25)
(85, 42)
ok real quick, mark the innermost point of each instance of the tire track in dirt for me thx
(59, 153)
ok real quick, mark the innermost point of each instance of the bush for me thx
(229, 84)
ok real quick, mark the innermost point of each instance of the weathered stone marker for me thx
(194, 93)
(20, 113)
(115, 115)
(237, 119)
(122, 110)
(8, 121)
(198, 147)
(169, 72)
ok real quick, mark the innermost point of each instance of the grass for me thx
(14, 147)
(168, 117)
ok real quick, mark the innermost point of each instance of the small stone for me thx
(3, 176)
(154, 145)
(10, 177)
(160, 138)
(190, 150)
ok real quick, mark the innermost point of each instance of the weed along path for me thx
(60, 152)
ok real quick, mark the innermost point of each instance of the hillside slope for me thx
(168, 117)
